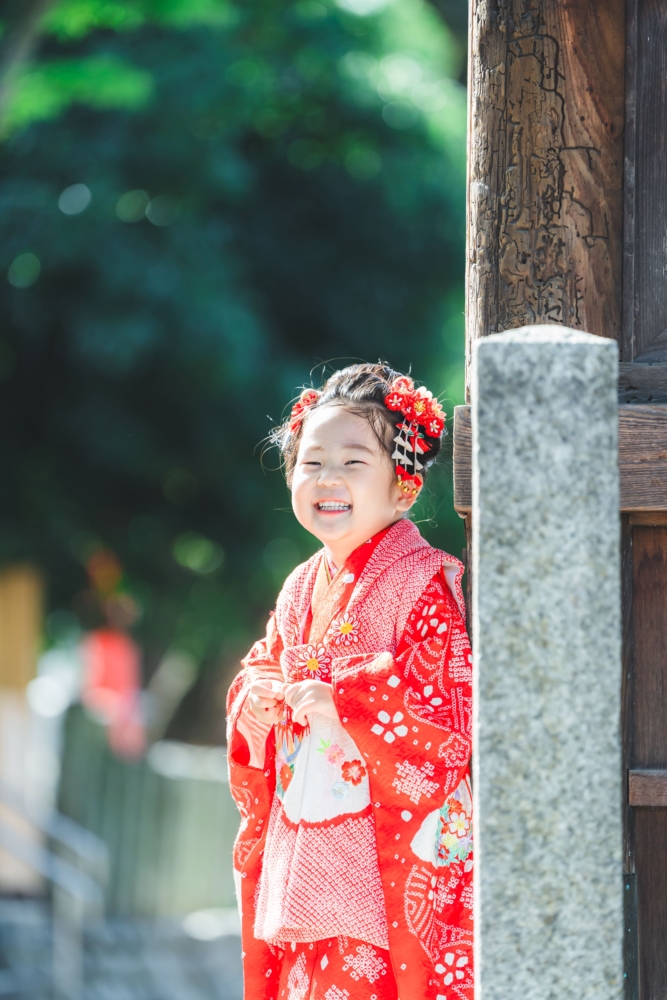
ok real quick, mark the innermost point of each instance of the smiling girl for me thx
(349, 725)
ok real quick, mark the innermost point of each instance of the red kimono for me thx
(354, 857)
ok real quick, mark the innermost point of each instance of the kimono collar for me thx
(357, 560)
(331, 593)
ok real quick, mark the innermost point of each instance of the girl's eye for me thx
(355, 461)
(311, 463)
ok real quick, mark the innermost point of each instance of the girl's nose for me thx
(330, 475)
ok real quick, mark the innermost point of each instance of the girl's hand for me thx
(265, 698)
(308, 697)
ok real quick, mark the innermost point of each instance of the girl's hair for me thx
(362, 390)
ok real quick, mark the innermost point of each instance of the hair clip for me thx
(422, 414)
(307, 399)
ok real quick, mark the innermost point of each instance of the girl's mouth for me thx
(333, 506)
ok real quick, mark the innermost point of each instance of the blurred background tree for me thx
(204, 206)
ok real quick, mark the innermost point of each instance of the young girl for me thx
(349, 725)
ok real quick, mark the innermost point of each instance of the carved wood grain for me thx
(462, 460)
(545, 165)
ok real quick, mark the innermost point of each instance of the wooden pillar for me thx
(545, 170)
(545, 165)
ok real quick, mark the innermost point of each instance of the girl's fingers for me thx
(278, 689)
(300, 715)
(263, 702)
(265, 690)
(303, 710)
(293, 692)
(292, 695)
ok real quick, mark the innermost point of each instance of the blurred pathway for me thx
(124, 959)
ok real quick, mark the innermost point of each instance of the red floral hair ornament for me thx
(423, 418)
(307, 399)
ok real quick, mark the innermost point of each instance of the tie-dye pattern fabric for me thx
(374, 840)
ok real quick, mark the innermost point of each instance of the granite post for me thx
(546, 635)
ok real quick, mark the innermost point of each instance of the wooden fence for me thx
(169, 820)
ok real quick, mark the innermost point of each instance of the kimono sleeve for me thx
(250, 756)
(246, 735)
(413, 709)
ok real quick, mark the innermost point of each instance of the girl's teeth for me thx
(333, 506)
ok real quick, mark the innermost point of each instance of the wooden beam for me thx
(648, 519)
(647, 788)
(642, 457)
(642, 383)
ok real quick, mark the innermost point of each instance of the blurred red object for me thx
(111, 685)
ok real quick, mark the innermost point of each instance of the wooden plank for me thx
(651, 837)
(545, 164)
(650, 176)
(627, 344)
(630, 943)
(642, 383)
(627, 686)
(647, 788)
(642, 455)
(648, 518)
(649, 748)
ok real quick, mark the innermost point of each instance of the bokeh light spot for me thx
(104, 570)
(163, 210)
(310, 10)
(363, 8)
(75, 199)
(430, 97)
(131, 206)
(357, 65)
(401, 72)
(24, 270)
(197, 553)
(47, 696)
(364, 164)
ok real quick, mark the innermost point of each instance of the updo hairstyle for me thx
(362, 390)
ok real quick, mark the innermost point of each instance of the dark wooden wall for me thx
(567, 223)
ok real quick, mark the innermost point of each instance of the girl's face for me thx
(344, 487)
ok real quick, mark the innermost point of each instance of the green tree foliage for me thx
(200, 203)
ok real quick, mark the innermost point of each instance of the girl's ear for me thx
(404, 501)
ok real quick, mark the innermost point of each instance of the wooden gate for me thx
(567, 223)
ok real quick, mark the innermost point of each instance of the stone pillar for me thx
(546, 634)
